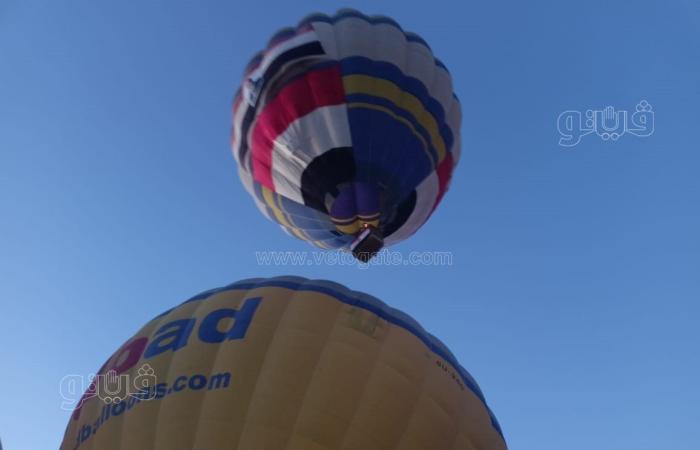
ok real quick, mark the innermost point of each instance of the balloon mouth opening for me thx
(355, 207)
(367, 243)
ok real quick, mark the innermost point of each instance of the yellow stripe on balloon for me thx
(290, 219)
(320, 244)
(353, 228)
(269, 197)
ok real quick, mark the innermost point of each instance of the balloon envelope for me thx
(283, 363)
(346, 122)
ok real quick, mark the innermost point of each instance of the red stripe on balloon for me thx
(444, 173)
(323, 87)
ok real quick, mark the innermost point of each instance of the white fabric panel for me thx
(420, 64)
(441, 88)
(326, 35)
(426, 195)
(359, 38)
(286, 174)
(305, 139)
(324, 128)
(389, 45)
(345, 32)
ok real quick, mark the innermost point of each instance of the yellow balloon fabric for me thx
(283, 364)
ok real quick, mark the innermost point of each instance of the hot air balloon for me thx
(283, 363)
(346, 131)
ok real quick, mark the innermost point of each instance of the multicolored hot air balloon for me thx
(346, 131)
(283, 363)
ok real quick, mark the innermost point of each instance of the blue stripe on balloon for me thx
(395, 157)
(359, 65)
(396, 109)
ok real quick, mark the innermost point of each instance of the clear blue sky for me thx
(574, 297)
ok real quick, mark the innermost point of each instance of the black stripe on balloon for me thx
(325, 173)
(300, 52)
(245, 126)
(403, 212)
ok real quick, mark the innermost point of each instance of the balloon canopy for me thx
(283, 363)
(344, 123)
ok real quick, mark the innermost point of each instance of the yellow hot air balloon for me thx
(283, 363)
